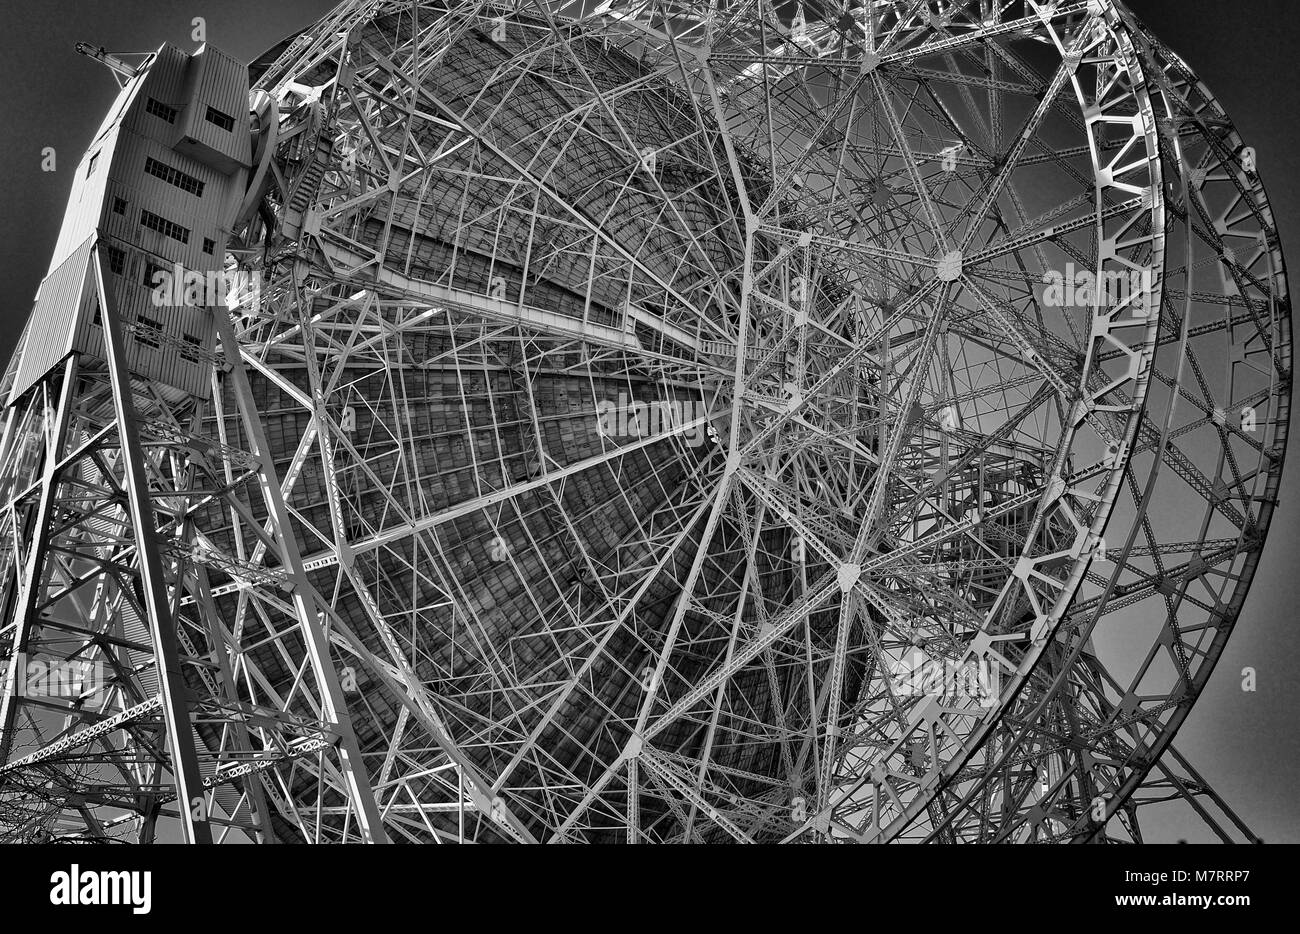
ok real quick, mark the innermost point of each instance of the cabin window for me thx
(116, 259)
(147, 332)
(190, 349)
(160, 110)
(163, 226)
(151, 270)
(171, 176)
(225, 121)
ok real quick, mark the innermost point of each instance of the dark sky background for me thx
(1246, 745)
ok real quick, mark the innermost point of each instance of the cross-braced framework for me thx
(1082, 750)
(676, 422)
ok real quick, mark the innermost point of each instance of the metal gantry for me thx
(629, 395)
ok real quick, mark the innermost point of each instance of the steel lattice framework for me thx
(632, 392)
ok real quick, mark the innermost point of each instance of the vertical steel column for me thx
(333, 706)
(191, 802)
(29, 583)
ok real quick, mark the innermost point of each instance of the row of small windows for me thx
(164, 226)
(209, 245)
(152, 167)
(159, 109)
(116, 257)
(149, 333)
(173, 176)
(117, 262)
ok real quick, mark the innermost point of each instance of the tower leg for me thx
(192, 805)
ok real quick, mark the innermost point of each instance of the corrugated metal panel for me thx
(63, 319)
(215, 80)
(49, 333)
(139, 189)
(85, 200)
(15, 360)
(225, 87)
(165, 82)
(155, 359)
